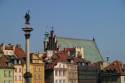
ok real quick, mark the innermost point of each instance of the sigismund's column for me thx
(27, 29)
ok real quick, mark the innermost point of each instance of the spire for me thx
(52, 28)
(52, 31)
(93, 39)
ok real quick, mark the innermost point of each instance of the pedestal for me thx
(28, 77)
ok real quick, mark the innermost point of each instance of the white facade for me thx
(60, 73)
(65, 73)
(121, 79)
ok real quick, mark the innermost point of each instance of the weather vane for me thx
(27, 17)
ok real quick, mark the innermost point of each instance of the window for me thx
(59, 72)
(59, 65)
(56, 81)
(35, 76)
(60, 81)
(19, 61)
(20, 78)
(10, 73)
(63, 81)
(15, 69)
(5, 81)
(19, 69)
(36, 68)
(9, 81)
(63, 72)
(39, 69)
(39, 77)
(56, 71)
(15, 61)
(63, 66)
(5, 73)
(15, 77)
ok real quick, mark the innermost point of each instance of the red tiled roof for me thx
(117, 66)
(3, 59)
(76, 60)
(62, 56)
(3, 65)
(80, 60)
(69, 49)
(51, 65)
(19, 52)
(3, 62)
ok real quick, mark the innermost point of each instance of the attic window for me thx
(83, 64)
(19, 61)
(63, 66)
(123, 70)
(59, 65)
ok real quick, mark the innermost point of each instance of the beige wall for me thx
(18, 74)
(81, 50)
(72, 73)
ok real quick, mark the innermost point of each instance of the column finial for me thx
(27, 17)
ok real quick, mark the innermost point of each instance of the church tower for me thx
(50, 42)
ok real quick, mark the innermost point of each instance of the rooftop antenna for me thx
(107, 58)
(52, 27)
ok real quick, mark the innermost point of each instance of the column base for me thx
(28, 77)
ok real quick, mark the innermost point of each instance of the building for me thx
(6, 71)
(87, 48)
(60, 70)
(18, 63)
(113, 73)
(65, 73)
(36, 68)
(18, 73)
(16, 57)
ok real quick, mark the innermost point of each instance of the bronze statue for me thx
(27, 18)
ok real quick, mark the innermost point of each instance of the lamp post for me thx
(27, 29)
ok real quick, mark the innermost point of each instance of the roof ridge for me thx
(73, 38)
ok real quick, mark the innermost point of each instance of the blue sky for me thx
(85, 19)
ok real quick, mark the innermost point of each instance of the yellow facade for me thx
(36, 69)
(37, 73)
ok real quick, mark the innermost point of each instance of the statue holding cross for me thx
(27, 18)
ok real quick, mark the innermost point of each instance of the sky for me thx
(102, 19)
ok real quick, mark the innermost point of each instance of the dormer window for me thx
(19, 61)
(15, 61)
(83, 64)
